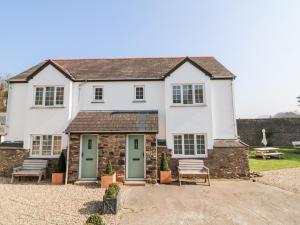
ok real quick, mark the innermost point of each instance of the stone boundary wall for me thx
(223, 162)
(10, 158)
(279, 131)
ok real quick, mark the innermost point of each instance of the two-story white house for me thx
(127, 111)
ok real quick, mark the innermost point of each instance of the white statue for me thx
(264, 139)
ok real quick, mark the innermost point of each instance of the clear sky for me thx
(258, 40)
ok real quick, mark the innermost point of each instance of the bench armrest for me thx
(16, 169)
(205, 167)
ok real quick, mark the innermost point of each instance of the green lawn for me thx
(291, 160)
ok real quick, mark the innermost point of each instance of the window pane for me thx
(187, 91)
(46, 145)
(57, 145)
(139, 93)
(177, 144)
(200, 144)
(176, 94)
(98, 93)
(59, 96)
(39, 96)
(198, 93)
(189, 146)
(49, 99)
(36, 141)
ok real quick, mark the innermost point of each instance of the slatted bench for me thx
(193, 167)
(296, 145)
(31, 168)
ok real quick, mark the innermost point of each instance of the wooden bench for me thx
(31, 168)
(192, 167)
(268, 152)
(296, 145)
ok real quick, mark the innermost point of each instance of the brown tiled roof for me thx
(114, 122)
(126, 68)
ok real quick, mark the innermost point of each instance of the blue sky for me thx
(257, 40)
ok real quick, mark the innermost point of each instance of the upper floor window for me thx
(45, 145)
(98, 94)
(188, 94)
(189, 145)
(139, 92)
(49, 96)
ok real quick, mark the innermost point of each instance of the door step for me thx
(135, 183)
(83, 182)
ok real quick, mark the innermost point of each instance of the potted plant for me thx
(95, 219)
(59, 170)
(111, 199)
(109, 176)
(165, 172)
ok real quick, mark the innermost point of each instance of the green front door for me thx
(136, 161)
(89, 156)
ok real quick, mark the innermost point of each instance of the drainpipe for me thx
(68, 155)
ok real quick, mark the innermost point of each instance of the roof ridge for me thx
(134, 58)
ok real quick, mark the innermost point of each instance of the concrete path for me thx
(224, 202)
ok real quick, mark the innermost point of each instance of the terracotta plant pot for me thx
(58, 178)
(165, 177)
(107, 180)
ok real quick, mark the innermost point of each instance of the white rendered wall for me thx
(188, 119)
(120, 96)
(224, 125)
(44, 120)
(15, 119)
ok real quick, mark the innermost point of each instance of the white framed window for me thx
(189, 145)
(46, 145)
(98, 94)
(188, 94)
(48, 96)
(139, 93)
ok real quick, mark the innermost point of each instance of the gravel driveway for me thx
(287, 179)
(32, 204)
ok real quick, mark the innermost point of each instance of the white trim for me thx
(44, 97)
(144, 94)
(193, 91)
(195, 146)
(126, 158)
(94, 100)
(80, 157)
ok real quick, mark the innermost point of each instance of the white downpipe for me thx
(68, 156)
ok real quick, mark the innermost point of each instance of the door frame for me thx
(126, 159)
(80, 157)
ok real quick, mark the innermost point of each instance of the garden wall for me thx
(279, 131)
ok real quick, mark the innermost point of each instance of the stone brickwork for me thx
(279, 131)
(112, 147)
(10, 158)
(222, 161)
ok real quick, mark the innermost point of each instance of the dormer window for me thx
(187, 94)
(49, 96)
(139, 93)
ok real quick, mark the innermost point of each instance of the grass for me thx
(291, 160)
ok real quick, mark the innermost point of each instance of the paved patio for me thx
(225, 202)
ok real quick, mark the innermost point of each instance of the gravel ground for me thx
(287, 179)
(27, 203)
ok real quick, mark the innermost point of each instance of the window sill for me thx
(47, 107)
(97, 102)
(44, 157)
(188, 156)
(188, 105)
(139, 101)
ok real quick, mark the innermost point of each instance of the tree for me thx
(3, 91)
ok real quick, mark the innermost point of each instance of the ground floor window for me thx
(46, 145)
(189, 144)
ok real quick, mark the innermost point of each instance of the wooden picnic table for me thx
(268, 152)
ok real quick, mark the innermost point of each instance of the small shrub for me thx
(60, 167)
(109, 170)
(95, 219)
(115, 186)
(88, 224)
(110, 193)
(164, 163)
